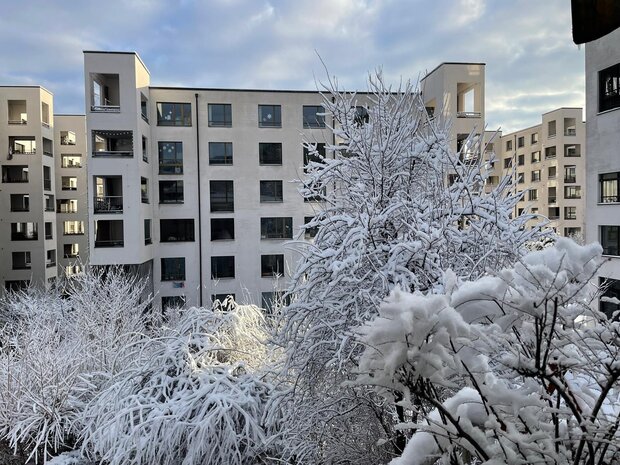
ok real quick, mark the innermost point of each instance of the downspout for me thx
(199, 204)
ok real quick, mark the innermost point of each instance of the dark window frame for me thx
(611, 245)
(610, 194)
(223, 267)
(227, 205)
(263, 121)
(226, 122)
(183, 119)
(271, 265)
(177, 274)
(226, 159)
(179, 198)
(177, 230)
(609, 88)
(271, 191)
(178, 156)
(276, 227)
(266, 158)
(311, 119)
(215, 226)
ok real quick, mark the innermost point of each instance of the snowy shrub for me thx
(191, 397)
(399, 208)
(515, 367)
(50, 343)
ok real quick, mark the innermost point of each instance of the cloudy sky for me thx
(532, 64)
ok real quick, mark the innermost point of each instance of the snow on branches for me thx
(511, 368)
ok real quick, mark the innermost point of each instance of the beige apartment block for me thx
(548, 165)
(603, 162)
(28, 248)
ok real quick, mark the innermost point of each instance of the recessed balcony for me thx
(109, 233)
(112, 144)
(15, 174)
(105, 93)
(109, 197)
(17, 112)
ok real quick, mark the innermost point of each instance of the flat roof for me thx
(564, 108)
(27, 87)
(450, 63)
(112, 52)
(223, 89)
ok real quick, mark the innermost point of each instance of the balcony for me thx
(20, 202)
(24, 232)
(15, 174)
(66, 206)
(112, 144)
(108, 204)
(109, 233)
(71, 161)
(17, 112)
(469, 114)
(73, 228)
(22, 146)
(105, 93)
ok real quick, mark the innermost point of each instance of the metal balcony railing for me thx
(18, 121)
(468, 114)
(107, 108)
(109, 204)
(570, 179)
(113, 153)
(570, 132)
(109, 243)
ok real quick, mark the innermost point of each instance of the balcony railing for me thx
(113, 153)
(14, 179)
(48, 153)
(570, 179)
(49, 208)
(553, 199)
(105, 108)
(109, 204)
(18, 121)
(64, 209)
(24, 236)
(50, 264)
(73, 232)
(570, 132)
(554, 217)
(109, 243)
(468, 114)
(71, 255)
(610, 198)
(20, 208)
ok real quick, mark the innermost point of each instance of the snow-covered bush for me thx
(50, 342)
(399, 208)
(515, 367)
(194, 395)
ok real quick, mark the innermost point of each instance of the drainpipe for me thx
(199, 205)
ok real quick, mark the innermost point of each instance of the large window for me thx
(608, 187)
(271, 265)
(73, 228)
(276, 228)
(220, 115)
(170, 157)
(21, 261)
(222, 267)
(20, 202)
(24, 232)
(271, 191)
(109, 233)
(609, 88)
(176, 230)
(222, 229)
(170, 191)
(572, 192)
(269, 116)
(610, 239)
(220, 153)
(270, 153)
(222, 196)
(313, 117)
(174, 114)
(173, 269)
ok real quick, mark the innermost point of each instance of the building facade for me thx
(548, 163)
(603, 162)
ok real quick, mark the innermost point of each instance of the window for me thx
(521, 142)
(220, 153)
(536, 156)
(173, 269)
(551, 129)
(71, 228)
(69, 183)
(49, 230)
(572, 232)
(144, 190)
(361, 116)
(609, 88)
(507, 163)
(534, 139)
(112, 143)
(174, 114)
(145, 152)
(309, 232)
(533, 194)
(222, 197)
(608, 187)
(15, 173)
(109, 233)
(270, 153)
(222, 297)
(222, 267)
(170, 191)
(16, 285)
(610, 239)
(274, 300)
(21, 261)
(24, 232)
(271, 265)
(536, 176)
(50, 258)
(71, 250)
(317, 155)
(172, 301)
(271, 191)
(20, 202)
(552, 196)
(47, 179)
(550, 152)
(552, 172)
(18, 113)
(570, 173)
(222, 229)
(610, 289)
(572, 192)
(269, 116)
(520, 178)
(71, 160)
(176, 230)
(554, 213)
(220, 115)
(23, 145)
(144, 107)
(170, 157)
(276, 228)
(570, 213)
(521, 160)
(312, 116)
(572, 150)
(508, 145)
(48, 147)
(147, 232)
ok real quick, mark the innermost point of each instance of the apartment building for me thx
(34, 182)
(603, 162)
(548, 163)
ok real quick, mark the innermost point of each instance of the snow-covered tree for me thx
(399, 208)
(50, 341)
(195, 395)
(516, 367)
